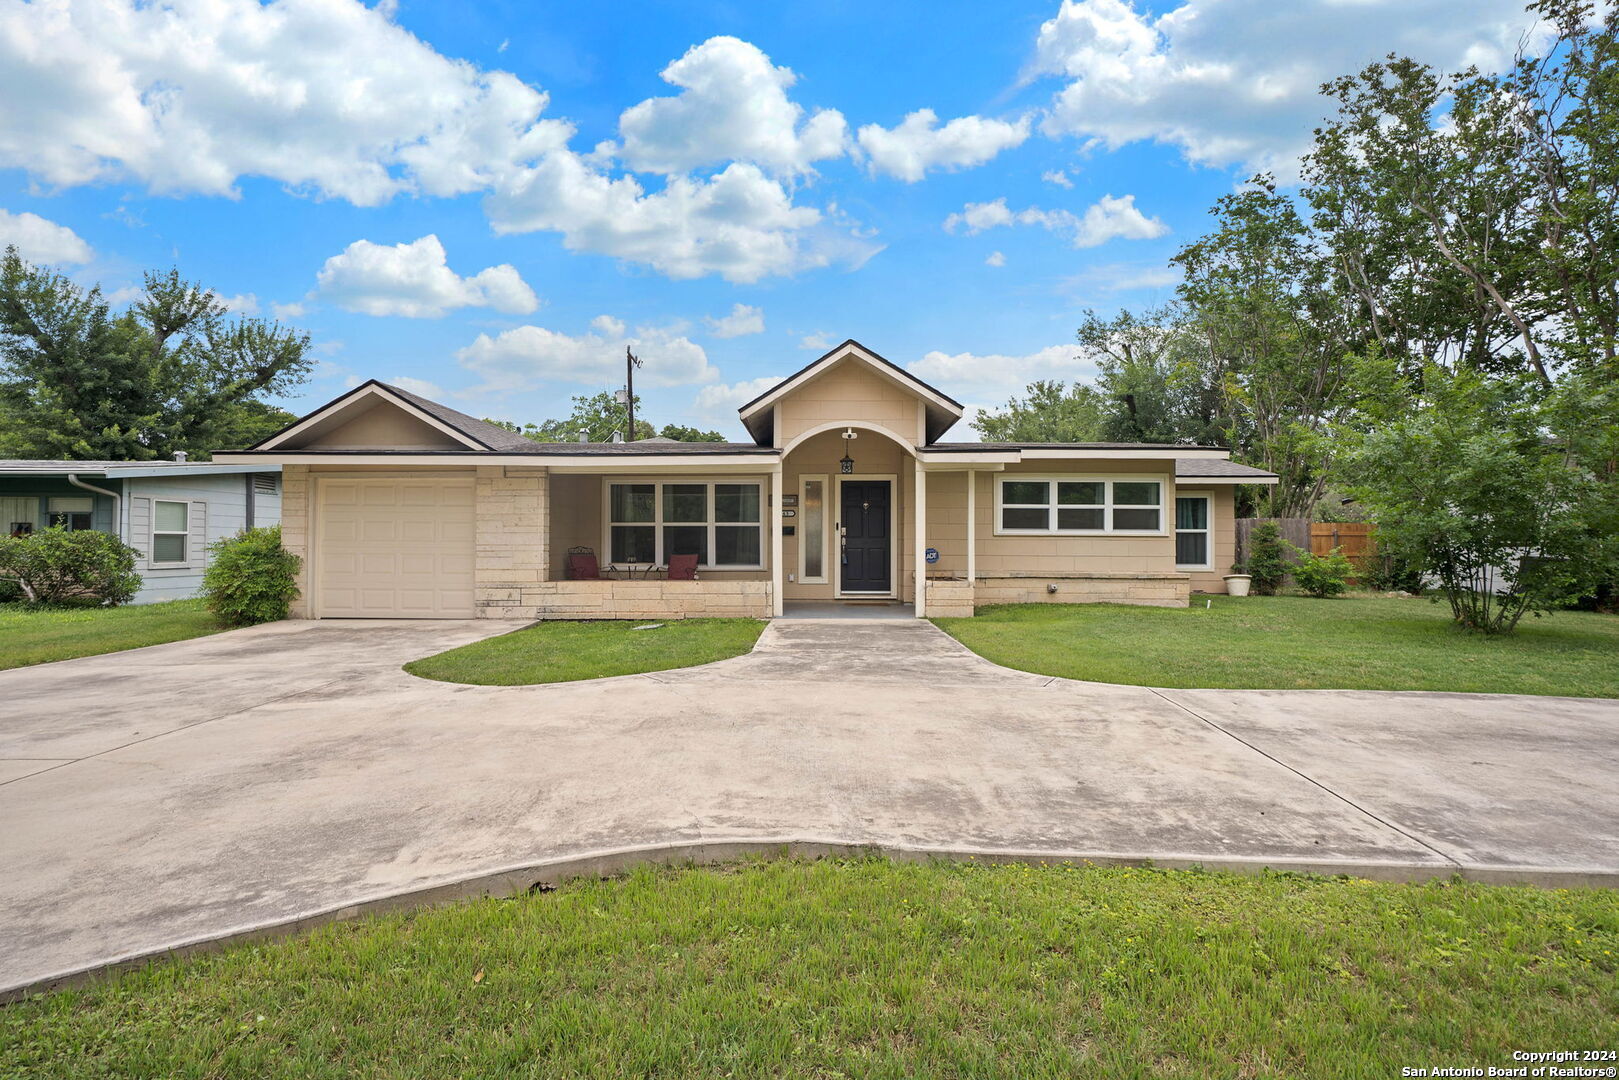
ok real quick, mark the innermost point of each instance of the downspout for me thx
(117, 502)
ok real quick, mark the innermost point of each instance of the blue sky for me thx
(487, 201)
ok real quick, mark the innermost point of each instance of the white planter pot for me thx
(1237, 584)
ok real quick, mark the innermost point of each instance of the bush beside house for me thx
(251, 577)
(1267, 562)
(61, 566)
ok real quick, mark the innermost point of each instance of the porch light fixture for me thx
(846, 463)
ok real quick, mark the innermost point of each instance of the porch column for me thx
(972, 529)
(776, 575)
(921, 540)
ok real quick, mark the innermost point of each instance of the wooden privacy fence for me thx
(1295, 531)
(1355, 539)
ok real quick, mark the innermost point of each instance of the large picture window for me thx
(718, 521)
(1192, 532)
(1047, 505)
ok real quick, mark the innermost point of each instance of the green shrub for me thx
(1386, 573)
(1322, 575)
(58, 566)
(1267, 564)
(250, 578)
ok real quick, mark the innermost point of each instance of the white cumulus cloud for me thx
(326, 96)
(742, 321)
(333, 99)
(996, 377)
(1058, 177)
(720, 401)
(740, 224)
(415, 280)
(1108, 218)
(42, 241)
(919, 144)
(519, 358)
(1231, 82)
(995, 259)
(733, 106)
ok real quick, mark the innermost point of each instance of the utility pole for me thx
(631, 362)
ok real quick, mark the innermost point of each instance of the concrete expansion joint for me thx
(1307, 778)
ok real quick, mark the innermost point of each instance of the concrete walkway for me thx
(185, 792)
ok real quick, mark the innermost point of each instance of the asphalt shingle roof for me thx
(1211, 467)
(491, 435)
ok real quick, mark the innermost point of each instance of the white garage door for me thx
(394, 548)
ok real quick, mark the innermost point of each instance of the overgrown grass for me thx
(36, 635)
(561, 651)
(1292, 642)
(865, 968)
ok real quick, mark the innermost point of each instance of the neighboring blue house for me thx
(169, 511)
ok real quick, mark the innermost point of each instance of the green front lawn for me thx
(863, 968)
(562, 651)
(34, 636)
(1294, 642)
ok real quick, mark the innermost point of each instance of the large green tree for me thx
(1275, 341)
(79, 381)
(1050, 411)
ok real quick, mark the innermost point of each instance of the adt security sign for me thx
(932, 555)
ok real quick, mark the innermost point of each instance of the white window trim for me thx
(804, 480)
(658, 523)
(1207, 530)
(1107, 480)
(156, 532)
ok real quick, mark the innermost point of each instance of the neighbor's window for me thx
(720, 523)
(1192, 531)
(171, 530)
(70, 512)
(1068, 505)
(812, 529)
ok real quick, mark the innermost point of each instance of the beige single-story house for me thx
(404, 508)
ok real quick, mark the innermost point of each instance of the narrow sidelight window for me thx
(812, 533)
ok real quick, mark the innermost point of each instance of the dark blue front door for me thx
(865, 522)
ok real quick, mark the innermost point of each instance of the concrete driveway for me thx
(177, 794)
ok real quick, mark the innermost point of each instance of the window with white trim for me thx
(1054, 505)
(1193, 544)
(171, 532)
(718, 521)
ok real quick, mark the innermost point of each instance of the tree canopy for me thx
(79, 381)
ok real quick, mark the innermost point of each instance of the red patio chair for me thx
(582, 565)
(682, 568)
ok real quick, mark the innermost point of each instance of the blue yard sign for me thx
(932, 555)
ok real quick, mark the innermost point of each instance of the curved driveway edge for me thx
(517, 880)
(259, 781)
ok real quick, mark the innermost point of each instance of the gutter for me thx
(117, 502)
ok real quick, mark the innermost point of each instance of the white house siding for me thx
(218, 511)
